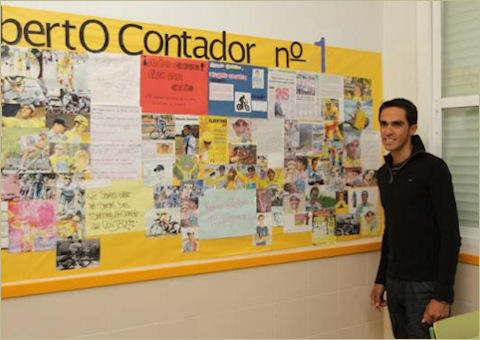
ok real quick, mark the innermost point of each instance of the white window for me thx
(456, 78)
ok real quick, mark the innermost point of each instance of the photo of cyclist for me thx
(34, 150)
(21, 61)
(79, 132)
(60, 161)
(243, 130)
(56, 133)
(21, 90)
(27, 116)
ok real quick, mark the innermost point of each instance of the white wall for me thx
(350, 24)
(324, 298)
(292, 308)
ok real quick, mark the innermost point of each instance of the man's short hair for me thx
(407, 105)
(60, 121)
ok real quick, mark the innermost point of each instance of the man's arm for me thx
(378, 290)
(445, 212)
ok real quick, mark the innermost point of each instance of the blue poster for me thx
(227, 213)
(237, 90)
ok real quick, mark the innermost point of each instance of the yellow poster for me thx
(78, 33)
(213, 140)
(116, 213)
(117, 208)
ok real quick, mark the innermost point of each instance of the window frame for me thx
(470, 235)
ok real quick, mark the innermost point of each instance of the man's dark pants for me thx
(406, 301)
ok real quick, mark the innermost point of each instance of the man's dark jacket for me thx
(421, 239)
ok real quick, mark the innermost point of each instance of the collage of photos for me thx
(45, 147)
(284, 148)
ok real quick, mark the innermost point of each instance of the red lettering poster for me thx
(174, 85)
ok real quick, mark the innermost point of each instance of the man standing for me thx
(189, 141)
(421, 241)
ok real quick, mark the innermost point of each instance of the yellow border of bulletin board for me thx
(139, 258)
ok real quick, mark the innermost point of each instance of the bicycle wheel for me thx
(155, 229)
(84, 261)
(155, 134)
(175, 227)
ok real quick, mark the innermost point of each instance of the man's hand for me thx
(436, 310)
(377, 296)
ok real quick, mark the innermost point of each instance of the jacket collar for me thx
(417, 148)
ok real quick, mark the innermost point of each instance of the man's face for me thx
(186, 131)
(352, 149)
(271, 175)
(25, 112)
(314, 194)
(314, 164)
(18, 87)
(364, 197)
(81, 128)
(394, 129)
(221, 171)
(58, 128)
(294, 202)
(164, 148)
(357, 91)
(300, 166)
(240, 126)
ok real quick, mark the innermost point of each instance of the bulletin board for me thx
(129, 145)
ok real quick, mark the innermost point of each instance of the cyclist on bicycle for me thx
(160, 123)
(31, 146)
(65, 70)
(67, 196)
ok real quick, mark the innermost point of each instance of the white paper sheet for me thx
(116, 125)
(114, 79)
(370, 149)
(269, 135)
(115, 161)
(307, 96)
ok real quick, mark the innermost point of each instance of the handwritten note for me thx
(114, 79)
(117, 209)
(116, 124)
(227, 214)
(115, 161)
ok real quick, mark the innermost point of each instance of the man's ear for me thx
(412, 129)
